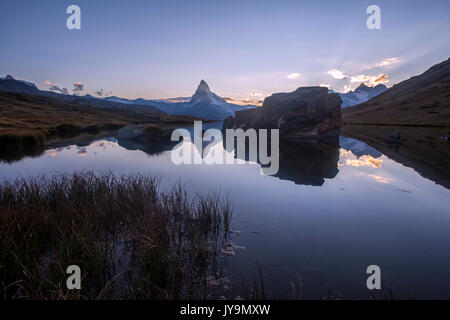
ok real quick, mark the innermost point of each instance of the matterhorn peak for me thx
(204, 94)
(203, 86)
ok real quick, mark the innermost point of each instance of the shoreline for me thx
(387, 124)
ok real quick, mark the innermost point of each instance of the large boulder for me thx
(308, 112)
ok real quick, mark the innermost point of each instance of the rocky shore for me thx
(308, 112)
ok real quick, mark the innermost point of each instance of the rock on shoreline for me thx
(308, 112)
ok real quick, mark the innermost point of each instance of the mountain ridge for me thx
(11, 85)
(203, 104)
(361, 94)
(420, 100)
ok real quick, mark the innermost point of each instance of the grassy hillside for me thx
(423, 100)
(29, 120)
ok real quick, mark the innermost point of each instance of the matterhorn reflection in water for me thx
(306, 162)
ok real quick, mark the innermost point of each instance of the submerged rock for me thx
(394, 138)
(145, 133)
(131, 131)
(395, 135)
(308, 112)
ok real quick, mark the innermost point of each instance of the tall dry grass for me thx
(130, 240)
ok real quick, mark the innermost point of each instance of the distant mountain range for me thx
(28, 84)
(9, 84)
(358, 148)
(420, 100)
(361, 94)
(203, 104)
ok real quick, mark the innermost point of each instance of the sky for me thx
(244, 49)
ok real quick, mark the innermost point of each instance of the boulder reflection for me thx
(309, 162)
(306, 162)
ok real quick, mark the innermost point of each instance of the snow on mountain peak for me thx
(362, 86)
(204, 94)
(203, 86)
(361, 94)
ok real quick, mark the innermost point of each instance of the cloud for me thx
(359, 78)
(337, 74)
(365, 160)
(82, 152)
(294, 75)
(380, 179)
(347, 88)
(243, 102)
(253, 102)
(324, 85)
(382, 78)
(78, 87)
(370, 80)
(53, 87)
(348, 81)
(387, 62)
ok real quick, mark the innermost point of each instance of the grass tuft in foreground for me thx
(130, 240)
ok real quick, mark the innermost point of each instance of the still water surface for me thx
(329, 214)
